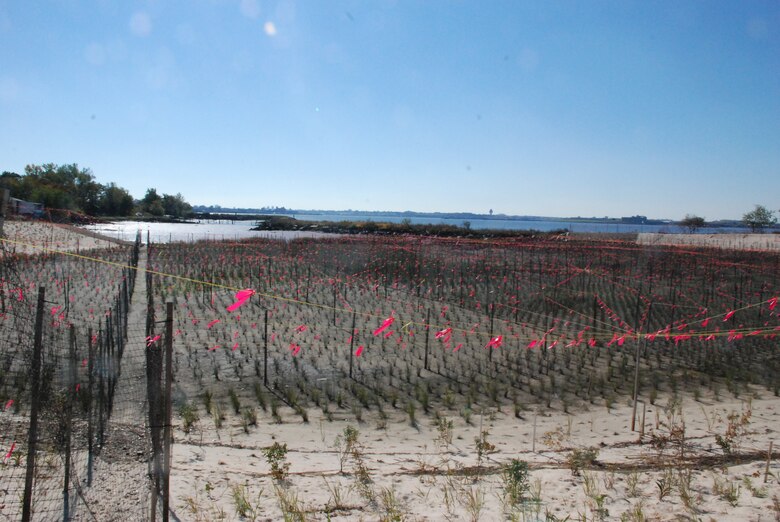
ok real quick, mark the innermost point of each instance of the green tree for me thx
(692, 223)
(759, 218)
(176, 206)
(67, 187)
(115, 201)
(152, 203)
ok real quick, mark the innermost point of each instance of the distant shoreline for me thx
(276, 223)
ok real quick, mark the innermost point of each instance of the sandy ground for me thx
(35, 237)
(729, 241)
(414, 473)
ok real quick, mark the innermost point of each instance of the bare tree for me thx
(692, 223)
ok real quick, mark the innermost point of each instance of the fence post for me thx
(427, 337)
(265, 351)
(90, 413)
(70, 398)
(168, 406)
(35, 388)
(351, 344)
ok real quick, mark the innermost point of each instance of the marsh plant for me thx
(581, 458)
(189, 416)
(444, 429)
(516, 485)
(483, 446)
(736, 429)
(244, 507)
(346, 444)
(276, 456)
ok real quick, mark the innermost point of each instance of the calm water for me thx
(189, 232)
(221, 230)
(514, 224)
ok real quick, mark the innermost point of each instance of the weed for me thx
(390, 505)
(234, 401)
(473, 501)
(276, 456)
(336, 501)
(189, 416)
(444, 428)
(207, 397)
(248, 418)
(761, 492)
(688, 496)
(260, 395)
(634, 514)
(735, 430)
(632, 483)
(244, 507)
(515, 477)
(665, 484)
(483, 447)
(346, 444)
(410, 411)
(217, 415)
(291, 506)
(579, 459)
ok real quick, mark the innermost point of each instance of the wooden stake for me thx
(35, 385)
(768, 460)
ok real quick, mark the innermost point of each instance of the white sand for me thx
(765, 242)
(35, 237)
(432, 481)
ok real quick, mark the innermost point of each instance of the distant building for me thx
(634, 220)
(20, 207)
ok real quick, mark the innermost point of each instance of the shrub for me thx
(276, 456)
(579, 459)
(516, 485)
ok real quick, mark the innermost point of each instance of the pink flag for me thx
(242, 296)
(234, 347)
(495, 342)
(211, 323)
(772, 303)
(728, 316)
(10, 451)
(359, 351)
(385, 325)
(151, 340)
(9, 404)
(301, 328)
(445, 334)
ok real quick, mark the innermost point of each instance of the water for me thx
(190, 232)
(235, 230)
(519, 224)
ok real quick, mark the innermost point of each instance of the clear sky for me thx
(553, 108)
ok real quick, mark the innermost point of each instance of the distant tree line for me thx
(71, 189)
(757, 220)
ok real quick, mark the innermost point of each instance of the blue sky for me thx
(533, 108)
